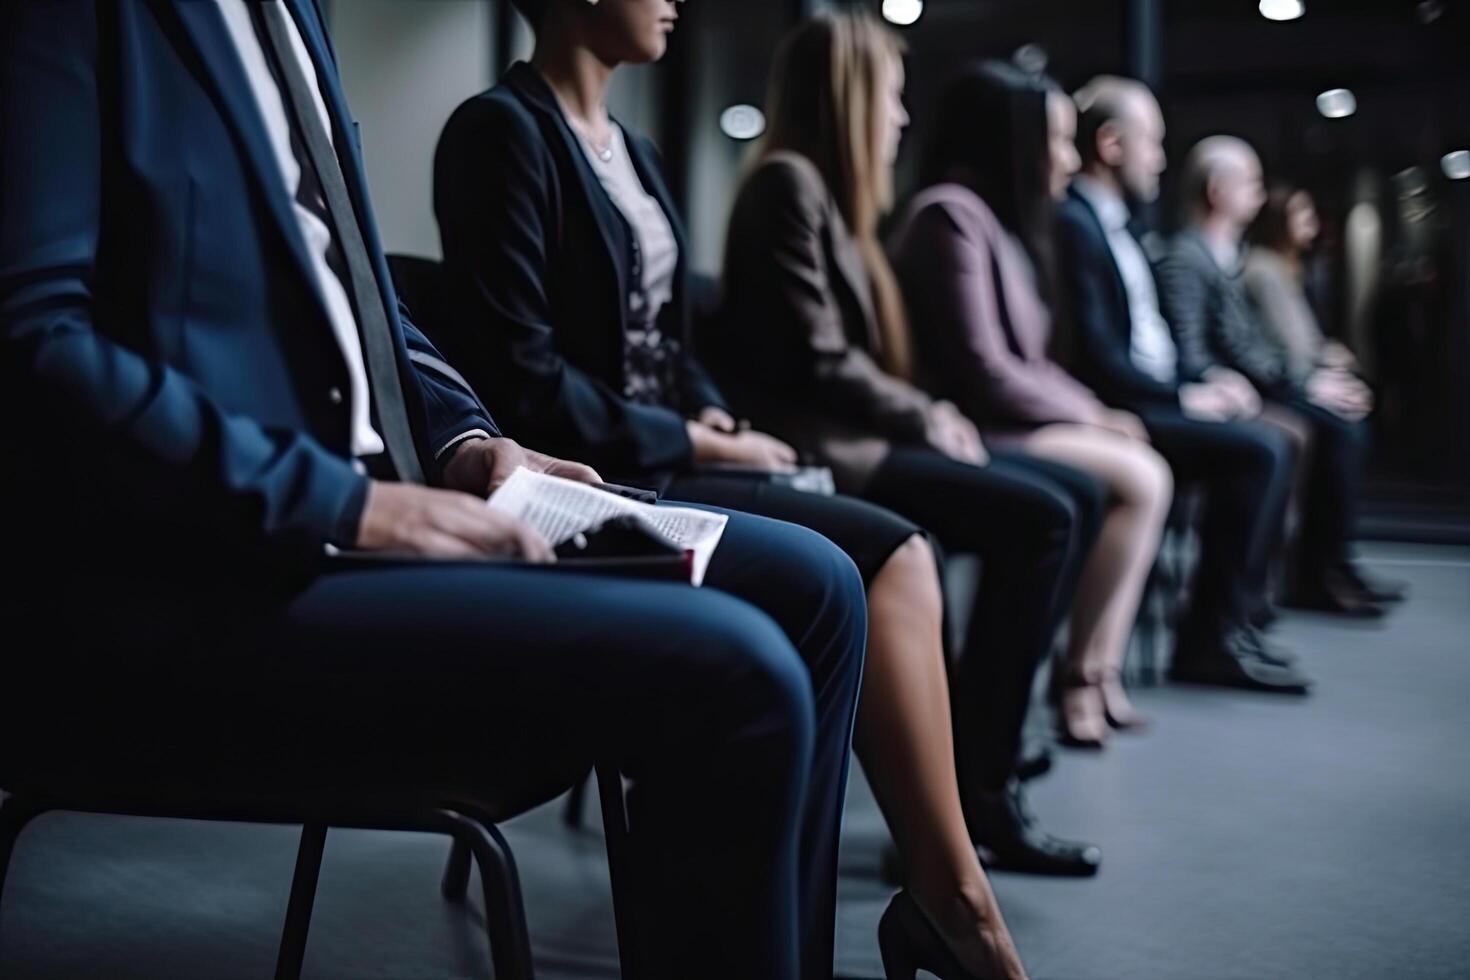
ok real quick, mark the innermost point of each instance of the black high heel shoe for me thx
(910, 943)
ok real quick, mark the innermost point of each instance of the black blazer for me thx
(537, 258)
(1094, 307)
(171, 386)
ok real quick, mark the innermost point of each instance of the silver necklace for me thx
(603, 153)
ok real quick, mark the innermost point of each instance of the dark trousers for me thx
(1332, 480)
(1245, 471)
(1031, 523)
(730, 706)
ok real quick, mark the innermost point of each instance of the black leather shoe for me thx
(1034, 761)
(1239, 658)
(1334, 592)
(1377, 589)
(1272, 653)
(1008, 839)
(1265, 615)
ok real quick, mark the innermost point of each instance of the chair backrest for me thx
(422, 285)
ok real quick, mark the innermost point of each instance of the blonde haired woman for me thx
(549, 209)
(813, 347)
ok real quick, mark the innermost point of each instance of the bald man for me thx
(1127, 354)
(1220, 334)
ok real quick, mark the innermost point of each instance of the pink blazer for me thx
(981, 328)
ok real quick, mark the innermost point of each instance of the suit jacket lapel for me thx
(344, 136)
(221, 62)
(1119, 286)
(533, 90)
(652, 179)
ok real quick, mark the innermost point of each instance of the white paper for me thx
(559, 509)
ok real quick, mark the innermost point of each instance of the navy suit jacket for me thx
(172, 388)
(539, 261)
(1095, 307)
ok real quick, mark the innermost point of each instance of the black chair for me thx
(138, 785)
(1167, 591)
(420, 282)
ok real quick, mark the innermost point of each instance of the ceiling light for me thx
(902, 12)
(1337, 103)
(1456, 164)
(742, 122)
(1282, 9)
(1429, 11)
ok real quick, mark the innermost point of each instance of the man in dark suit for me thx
(1125, 352)
(216, 413)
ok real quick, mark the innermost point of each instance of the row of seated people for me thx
(239, 415)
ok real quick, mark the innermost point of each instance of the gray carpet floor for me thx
(1246, 837)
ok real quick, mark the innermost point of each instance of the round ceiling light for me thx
(902, 12)
(1337, 103)
(742, 122)
(1282, 9)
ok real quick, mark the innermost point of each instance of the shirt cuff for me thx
(462, 437)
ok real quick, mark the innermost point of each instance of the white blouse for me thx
(654, 236)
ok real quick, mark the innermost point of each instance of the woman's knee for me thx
(910, 576)
(1150, 480)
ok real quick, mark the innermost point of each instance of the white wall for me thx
(406, 65)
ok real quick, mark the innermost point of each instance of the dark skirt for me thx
(869, 534)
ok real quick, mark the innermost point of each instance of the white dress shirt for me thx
(316, 234)
(1151, 347)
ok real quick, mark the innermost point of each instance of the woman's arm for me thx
(948, 265)
(493, 198)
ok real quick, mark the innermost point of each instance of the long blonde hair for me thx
(824, 103)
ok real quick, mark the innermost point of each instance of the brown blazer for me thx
(793, 345)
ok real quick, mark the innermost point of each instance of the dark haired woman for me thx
(973, 252)
(569, 267)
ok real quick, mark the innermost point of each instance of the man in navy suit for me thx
(1202, 425)
(216, 412)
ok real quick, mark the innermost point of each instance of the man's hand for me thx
(741, 448)
(1335, 354)
(718, 419)
(1123, 423)
(480, 466)
(1341, 394)
(1207, 402)
(405, 518)
(1247, 400)
(950, 432)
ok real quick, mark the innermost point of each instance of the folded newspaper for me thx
(560, 509)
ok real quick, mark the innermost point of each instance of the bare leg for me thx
(906, 745)
(1103, 612)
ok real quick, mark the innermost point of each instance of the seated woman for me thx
(568, 269)
(811, 346)
(1284, 230)
(973, 252)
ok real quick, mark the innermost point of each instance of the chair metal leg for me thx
(615, 825)
(15, 814)
(505, 910)
(456, 881)
(303, 896)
